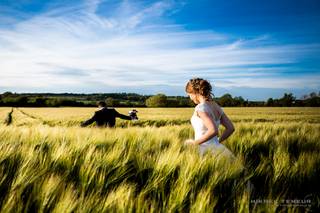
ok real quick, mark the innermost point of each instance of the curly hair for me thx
(199, 86)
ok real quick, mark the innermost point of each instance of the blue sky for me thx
(256, 49)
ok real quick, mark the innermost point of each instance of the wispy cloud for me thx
(137, 46)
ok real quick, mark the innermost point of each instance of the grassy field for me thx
(50, 164)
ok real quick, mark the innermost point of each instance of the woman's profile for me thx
(207, 117)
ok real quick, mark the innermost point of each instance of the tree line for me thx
(136, 100)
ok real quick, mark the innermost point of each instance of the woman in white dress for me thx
(207, 117)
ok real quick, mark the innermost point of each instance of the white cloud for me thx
(74, 47)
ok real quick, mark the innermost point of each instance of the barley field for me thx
(50, 164)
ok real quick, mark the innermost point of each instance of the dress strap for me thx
(204, 107)
(221, 112)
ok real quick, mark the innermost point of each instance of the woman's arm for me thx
(211, 126)
(229, 128)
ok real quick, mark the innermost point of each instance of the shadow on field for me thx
(8, 119)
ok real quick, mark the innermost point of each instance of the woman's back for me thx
(215, 113)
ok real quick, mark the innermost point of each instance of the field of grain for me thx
(50, 164)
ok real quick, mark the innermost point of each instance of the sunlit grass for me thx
(175, 116)
(61, 167)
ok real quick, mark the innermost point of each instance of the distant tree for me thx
(112, 102)
(185, 102)
(287, 99)
(238, 101)
(299, 103)
(40, 101)
(159, 100)
(172, 103)
(312, 95)
(226, 100)
(313, 101)
(270, 102)
(310, 100)
(7, 94)
(22, 101)
(135, 100)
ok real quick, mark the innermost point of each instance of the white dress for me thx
(200, 129)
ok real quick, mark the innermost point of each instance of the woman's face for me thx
(194, 97)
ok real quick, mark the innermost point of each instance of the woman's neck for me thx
(202, 100)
